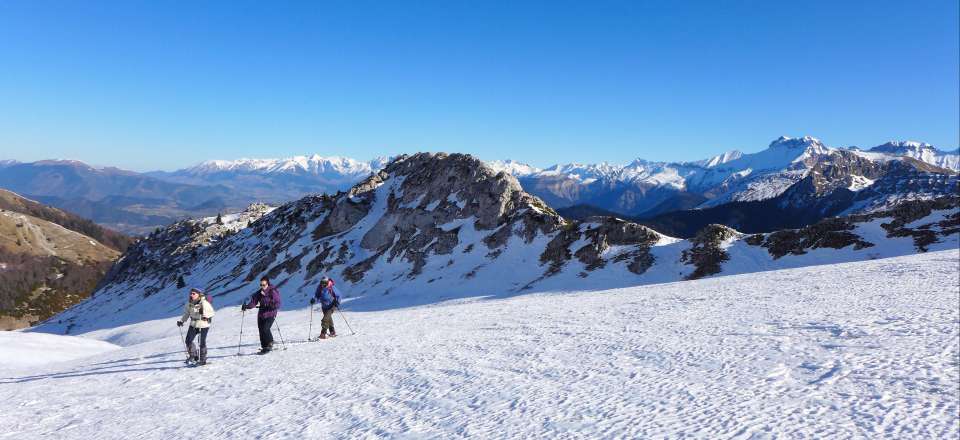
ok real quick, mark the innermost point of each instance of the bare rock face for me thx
(837, 232)
(431, 199)
(604, 232)
(437, 191)
(599, 235)
(707, 253)
(829, 233)
(924, 234)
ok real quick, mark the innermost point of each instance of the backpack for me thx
(333, 292)
(208, 299)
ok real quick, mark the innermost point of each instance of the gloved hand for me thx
(313, 301)
(179, 323)
(243, 307)
(336, 302)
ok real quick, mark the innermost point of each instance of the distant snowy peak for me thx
(514, 168)
(921, 151)
(585, 173)
(315, 164)
(806, 143)
(903, 147)
(721, 159)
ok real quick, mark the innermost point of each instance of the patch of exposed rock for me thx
(598, 235)
(171, 251)
(439, 195)
(706, 252)
(909, 212)
(837, 232)
(832, 233)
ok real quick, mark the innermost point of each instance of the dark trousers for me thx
(266, 337)
(191, 334)
(326, 324)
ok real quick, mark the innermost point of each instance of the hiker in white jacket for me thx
(200, 312)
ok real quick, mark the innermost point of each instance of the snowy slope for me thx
(22, 349)
(777, 354)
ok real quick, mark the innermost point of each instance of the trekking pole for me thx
(310, 331)
(243, 313)
(277, 324)
(345, 320)
(183, 341)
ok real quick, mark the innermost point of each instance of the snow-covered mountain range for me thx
(278, 180)
(122, 200)
(639, 188)
(138, 203)
(432, 227)
(644, 188)
(780, 154)
(921, 151)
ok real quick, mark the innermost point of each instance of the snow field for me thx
(24, 349)
(853, 350)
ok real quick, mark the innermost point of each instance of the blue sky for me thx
(166, 84)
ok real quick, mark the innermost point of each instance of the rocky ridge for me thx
(430, 227)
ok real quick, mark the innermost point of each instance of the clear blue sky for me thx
(165, 84)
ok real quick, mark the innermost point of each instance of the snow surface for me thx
(23, 349)
(855, 350)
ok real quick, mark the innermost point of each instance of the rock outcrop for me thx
(424, 228)
(707, 252)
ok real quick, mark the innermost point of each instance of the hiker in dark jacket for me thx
(329, 300)
(268, 299)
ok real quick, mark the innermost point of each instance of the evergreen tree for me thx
(180, 282)
(219, 219)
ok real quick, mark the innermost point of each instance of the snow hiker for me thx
(268, 298)
(329, 300)
(200, 312)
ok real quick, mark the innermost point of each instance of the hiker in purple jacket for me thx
(268, 298)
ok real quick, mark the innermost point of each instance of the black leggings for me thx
(266, 337)
(192, 333)
(191, 349)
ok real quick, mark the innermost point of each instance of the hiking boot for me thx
(333, 334)
(322, 336)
